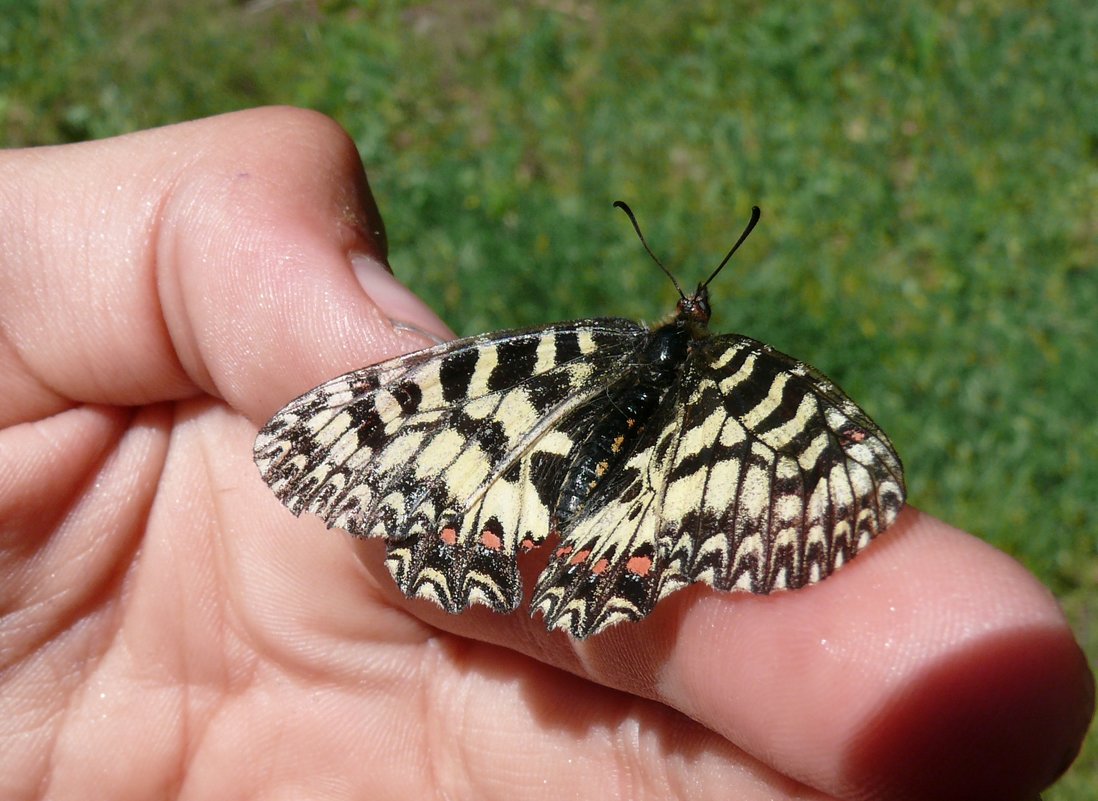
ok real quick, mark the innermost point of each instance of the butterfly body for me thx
(654, 457)
(622, 416)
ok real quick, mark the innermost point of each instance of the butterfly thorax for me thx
(623, 413)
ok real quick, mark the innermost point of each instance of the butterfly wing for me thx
(756, 473)
(452, 454)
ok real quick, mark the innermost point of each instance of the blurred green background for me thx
(928, 175)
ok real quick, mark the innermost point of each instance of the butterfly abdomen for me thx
(624, 411)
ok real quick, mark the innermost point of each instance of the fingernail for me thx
(395, 300)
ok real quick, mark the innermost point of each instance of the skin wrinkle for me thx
(155, 252)
(43, 724)
(179, 315)
(16, 512)
(156, 417)
(71, 598)
(190, 730)
(464, 746)
(631, 776)
(122, 299)
(11, 413)
(430, 693)
(198, 732)
(11, 203)
(70, 707)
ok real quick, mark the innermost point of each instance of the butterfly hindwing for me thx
(451, 454)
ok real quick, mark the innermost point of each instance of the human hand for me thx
(169, 629)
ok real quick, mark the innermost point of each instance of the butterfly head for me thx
(695, 308)
(692, 311)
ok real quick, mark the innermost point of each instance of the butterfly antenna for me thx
(632, 218)
(755, 214)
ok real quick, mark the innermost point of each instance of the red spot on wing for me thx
(490, 540)
(600, 566)
(579, 556)
(527, 543)
(639, 565)
(563, 551)
(854, 434)
(448, 535)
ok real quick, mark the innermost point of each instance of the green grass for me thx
(928, 176)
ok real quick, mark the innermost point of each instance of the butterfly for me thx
(650, 458)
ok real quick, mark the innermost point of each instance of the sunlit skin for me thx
(169, 629)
